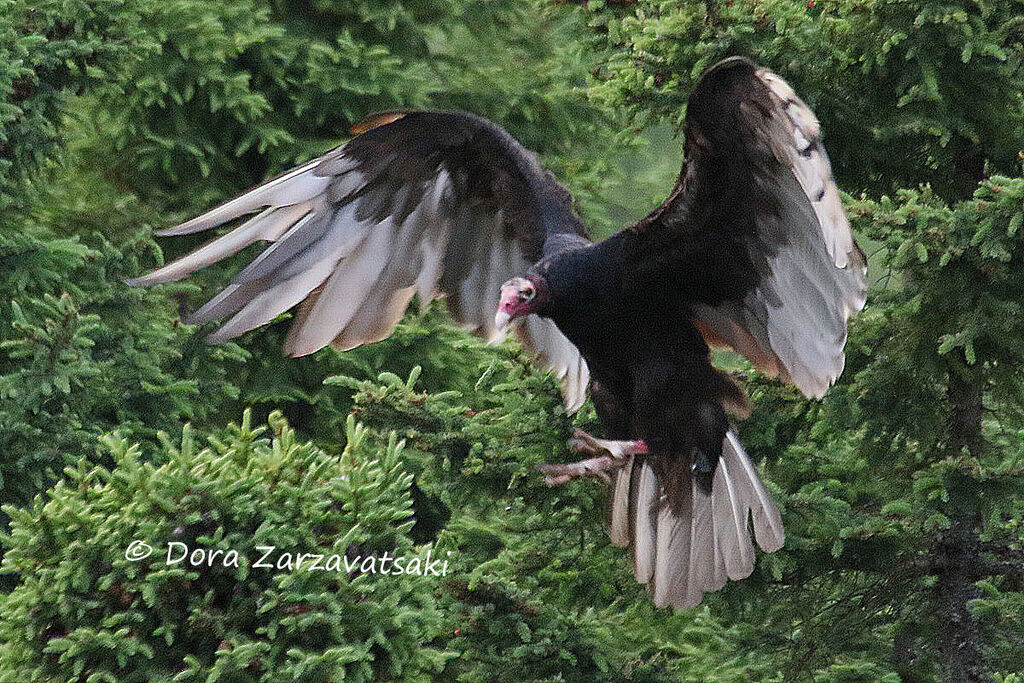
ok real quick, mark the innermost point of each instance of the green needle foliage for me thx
(536, 591)
(87, 609)
(49, 52)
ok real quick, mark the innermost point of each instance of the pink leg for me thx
(600, 466)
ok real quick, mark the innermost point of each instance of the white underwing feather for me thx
(552, 349)
(345, 290)
(272, 302)
(380, 312)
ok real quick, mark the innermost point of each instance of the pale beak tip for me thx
(501, 319)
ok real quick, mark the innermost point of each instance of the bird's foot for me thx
(600, 466)
(581, 442)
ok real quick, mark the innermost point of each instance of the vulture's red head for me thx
(520, 296)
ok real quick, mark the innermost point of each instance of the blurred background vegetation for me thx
(900, 490)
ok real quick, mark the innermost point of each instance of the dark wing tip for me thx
(720, 75)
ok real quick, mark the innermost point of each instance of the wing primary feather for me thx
(340, 239)
(225, 302)
(339, 165)
(380, 311)
(293, 187)
(344, 291)
(272, 302)
(267, 225)
(305, 231)
(313, 230)
(236, 295)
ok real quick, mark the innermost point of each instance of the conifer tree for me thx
(121, 578)
(51, 52)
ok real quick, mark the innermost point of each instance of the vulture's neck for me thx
(587, 297)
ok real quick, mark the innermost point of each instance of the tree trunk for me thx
(958, 550)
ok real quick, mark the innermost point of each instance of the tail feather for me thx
(690, 561)
(675, 572)
(730, 522)
(719, 572)
(767, 521)
(702, 543)
(619, 530)
(644, 497)
(685, 548)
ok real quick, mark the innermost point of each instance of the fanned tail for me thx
(685, 548)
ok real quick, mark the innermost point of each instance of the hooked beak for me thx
(501, 319)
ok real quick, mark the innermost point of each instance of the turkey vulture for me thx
(751, 251)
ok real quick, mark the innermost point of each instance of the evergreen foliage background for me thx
(900, 490)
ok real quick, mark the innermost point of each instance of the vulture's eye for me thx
(527, 293)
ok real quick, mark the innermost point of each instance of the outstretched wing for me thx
(753, 236)
(419, 202)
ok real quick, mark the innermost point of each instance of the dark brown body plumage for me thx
(650, 360)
